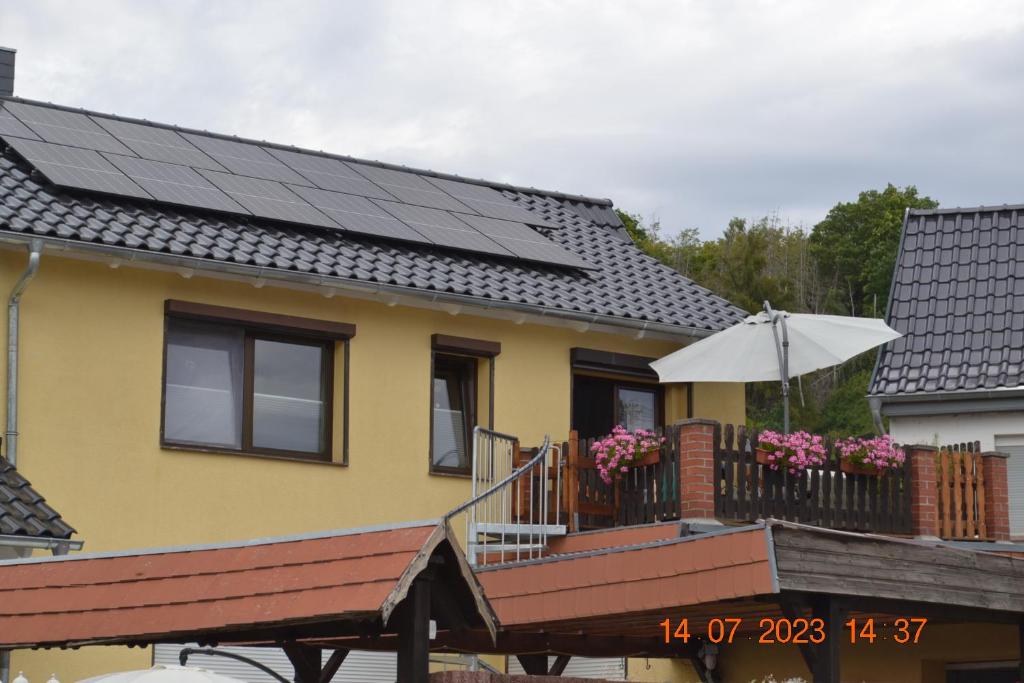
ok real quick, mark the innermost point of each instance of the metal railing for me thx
(514, 505)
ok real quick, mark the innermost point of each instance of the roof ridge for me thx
(599, 201)
(965, 209)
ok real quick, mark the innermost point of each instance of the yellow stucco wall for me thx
(92, 340)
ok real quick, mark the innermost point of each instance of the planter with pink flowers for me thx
(874, 456)
(622, 450)
(794, 452)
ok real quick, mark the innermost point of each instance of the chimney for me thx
(7, 71)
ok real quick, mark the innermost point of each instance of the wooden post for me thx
(1020, 650)
(306, 662)
(558, 666)
(414, 635)
(572, 482)
(534, 665)
(826, 655)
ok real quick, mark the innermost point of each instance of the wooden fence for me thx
(649, 493)
(960, 479)
(822, 496)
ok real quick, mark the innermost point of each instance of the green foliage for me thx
(846, 411)
(843, 266)
(856, 244)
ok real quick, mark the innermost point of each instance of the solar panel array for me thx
(101, 154)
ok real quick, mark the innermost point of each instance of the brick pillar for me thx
(997, 496)
(697, 469)
(923, 490)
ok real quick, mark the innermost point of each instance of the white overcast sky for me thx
(689, 111)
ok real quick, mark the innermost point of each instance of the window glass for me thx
(637, 408)
(230, 387)
(203, 393)
(453, 411)
(288, 405)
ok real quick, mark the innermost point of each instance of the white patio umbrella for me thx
(774, 345)
(162, 673)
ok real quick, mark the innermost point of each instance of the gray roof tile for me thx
(626, 284)
(23, 512)
(958, 298)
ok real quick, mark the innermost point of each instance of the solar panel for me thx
(358, 214)
(524, 242)
(489, 202)
(157, 144)
(12, 126)
(268, 199)
(82, 169)
(245, 159)
(66, 128)
(444, 229)
(175, 184)
(329, 174)
(410, 188)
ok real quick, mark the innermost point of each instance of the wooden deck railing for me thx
(961, 492)
(822, 496)
(647, 494)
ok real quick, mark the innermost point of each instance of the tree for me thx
(856, 244)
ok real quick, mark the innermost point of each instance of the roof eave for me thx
(389, 293)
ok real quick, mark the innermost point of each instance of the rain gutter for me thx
(389, 293)
(59, 546)
(13, 328)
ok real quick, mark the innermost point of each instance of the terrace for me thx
(706, 474)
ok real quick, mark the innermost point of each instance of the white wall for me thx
(941, 430)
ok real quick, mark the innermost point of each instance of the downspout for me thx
(35, 250)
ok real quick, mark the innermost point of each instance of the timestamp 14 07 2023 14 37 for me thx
(798, 631)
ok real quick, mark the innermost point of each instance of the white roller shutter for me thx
(359, 667)
(608, 668)
(1014, 446)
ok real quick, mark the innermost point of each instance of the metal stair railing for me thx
(512, 510)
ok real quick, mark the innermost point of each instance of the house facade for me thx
(228, 339)
(957, 374)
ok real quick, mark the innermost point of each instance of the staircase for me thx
(515, 503)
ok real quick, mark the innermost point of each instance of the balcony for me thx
(705, 473)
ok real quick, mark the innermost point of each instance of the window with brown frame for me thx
(240, 386)
(462, 380)
(454, 412)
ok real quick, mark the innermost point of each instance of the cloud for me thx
(691, 111)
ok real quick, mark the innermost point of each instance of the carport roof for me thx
(271, 589)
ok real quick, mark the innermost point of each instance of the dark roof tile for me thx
(958, 297)
(626, 284)
(23, 512)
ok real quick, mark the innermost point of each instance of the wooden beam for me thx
(791, 612)
(534, 665)
(414, 634)
(305, 660)
(1020, 650)
(557, 668)
(334, 663)
(826, 655)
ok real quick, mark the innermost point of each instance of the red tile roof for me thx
(150, 596)
(616, 582)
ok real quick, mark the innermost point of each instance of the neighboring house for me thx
(957, 374)
(229, 339)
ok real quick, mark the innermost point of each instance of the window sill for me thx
(249, 454)
(457, 474)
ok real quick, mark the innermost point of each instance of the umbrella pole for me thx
(782, 350)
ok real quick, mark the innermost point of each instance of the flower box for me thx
(854, 468)
(652, 458)
(762, 456)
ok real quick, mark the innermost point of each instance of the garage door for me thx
(1014, 446)
(613, 669)
(359, 667)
